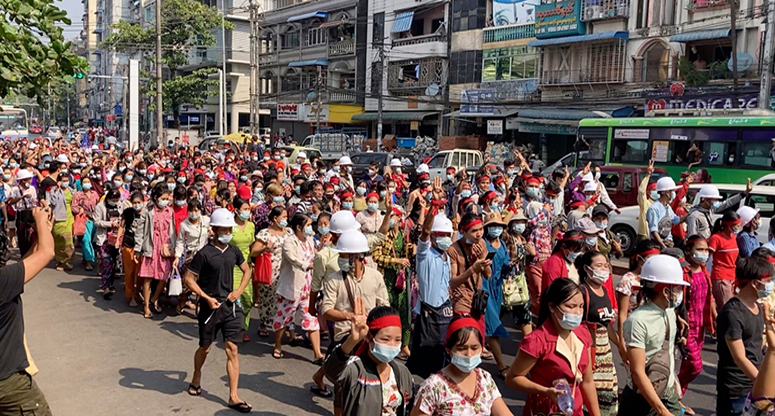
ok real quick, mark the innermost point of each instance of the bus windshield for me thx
(13, 119)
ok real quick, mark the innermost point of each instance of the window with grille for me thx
(315, 36)
(519, 62)
(290, 40)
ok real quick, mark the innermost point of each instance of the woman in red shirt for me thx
(723, 248)
(558, 350)
(560, 263)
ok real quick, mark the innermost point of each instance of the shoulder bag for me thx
(658, 366)
(479, 300)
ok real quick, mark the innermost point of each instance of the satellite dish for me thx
(531, 85)
(312, 96)
(432, 90)
(744, 62)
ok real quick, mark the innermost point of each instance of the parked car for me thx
(625, 225)
(36, 129)
(622, 182)
(766, 180)
(53, 131)
(205, 143)
(458, 159)
(292, 152)
(362, 161)
(568, 160)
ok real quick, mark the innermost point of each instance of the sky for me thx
(74, 10)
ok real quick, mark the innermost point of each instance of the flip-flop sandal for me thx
(298, 341)
(194, 390)
(324, 392)
(241, 407)
(278, 354)
(148, 315)
(319, 361)
(155, 306)
(263, 334)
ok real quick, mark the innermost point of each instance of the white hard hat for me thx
(222, 217)
(663, 268)
(589, 177)
(395, 162)
(590, 187)
(666, 184)
(747, 214)
(352, 241)
(342, 221)
(345, 161)
(23, 174)
(441, 224)
(423, 168)
(33, 146)
(62, 158)
(302, 155)
(709, 192)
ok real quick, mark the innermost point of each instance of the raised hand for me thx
(650, 168)
(587, 168)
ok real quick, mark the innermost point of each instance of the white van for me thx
(458, 159)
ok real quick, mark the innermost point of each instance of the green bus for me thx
(731, 148)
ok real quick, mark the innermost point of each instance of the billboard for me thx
(563, 18)
(512, 12)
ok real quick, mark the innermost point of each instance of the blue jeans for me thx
(730, 406)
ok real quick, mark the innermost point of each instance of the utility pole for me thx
(317, 94)
(769, 41)
(254, 51)
(159, 109)
(224, 128)
(221, 100)
(733, 31)
(379, 92)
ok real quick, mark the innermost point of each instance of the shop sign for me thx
(494, 126)
(523, 90)
(289, 112)
(310, 115)
(542, 128)
(513, 12)
(477, 102)
(631, 134)
(562, 18)
(690, 98)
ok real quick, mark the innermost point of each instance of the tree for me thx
(32, 48)
(186, 24)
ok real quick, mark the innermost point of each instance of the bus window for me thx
(715, 153)
(756, 153)
(765, 204)
(630, 151)
(678, 152)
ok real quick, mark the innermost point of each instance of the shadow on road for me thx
(87, 286)
(300, 397)
(162, 381)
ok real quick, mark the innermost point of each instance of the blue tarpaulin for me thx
(309, 62)
(580, 38)
(403, 22)
(696, 35)
(322, 15)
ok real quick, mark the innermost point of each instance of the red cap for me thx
(451, 169)
(334, 180)
(182, 173)
(652, 186)
(244, 192)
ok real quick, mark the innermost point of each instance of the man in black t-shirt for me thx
(219, 306)
(19, 394)
(740, 328)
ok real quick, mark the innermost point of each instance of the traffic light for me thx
(78, 75)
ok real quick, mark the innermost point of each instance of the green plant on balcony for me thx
(691, 76)
(720, 69)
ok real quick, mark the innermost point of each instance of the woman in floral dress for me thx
(271, 239)
(460, 388)
(154, 246)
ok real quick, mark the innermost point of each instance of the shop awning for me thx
(497, 113)
(305, 16)
(394, 116)
(309, 62)
(403, 22)
(334, 23)
(550, 113)
(696, 35)
(580, 38)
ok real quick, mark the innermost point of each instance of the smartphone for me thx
(491, 255)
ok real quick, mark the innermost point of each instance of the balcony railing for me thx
(705, 4)
(592, 76)
(604, 9)
(414, 75)
(267, 59)
(341, 97)
(345, 47)
(417, 40)
(501, 33)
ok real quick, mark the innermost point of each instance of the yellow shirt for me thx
(644, 202)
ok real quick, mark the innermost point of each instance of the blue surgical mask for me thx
(532, 192)
(308, 230)
(361, 190)
(466, 364)
(601, 225)
(465, 193)
(6, 177)
(297, 189)
(495, 207)
(278, 199)
(715, 205)
(86, 185)
(570, 321)
(243, 178)
(194, 216)
(347, 205)
(591, 241)
(572, 256)
(767, 291)
(171, 186)
(449, 177)
(737, 231)
(283, 223)
(244, 215)
(701, 257)
(443, 243)
(654, 195)
(519, 228)
(162, 203)
(392, 223)
(180, 202)
(372, 207)
(550, 200)
(495, 232)
(385, 353)
(324, 230)
(150, 176)
(382, 194)
(344, 264)
(181, 179)
(224, 238)
(137, 207)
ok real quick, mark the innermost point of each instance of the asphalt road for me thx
(99, 357)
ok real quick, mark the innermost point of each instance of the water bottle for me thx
(565, 400)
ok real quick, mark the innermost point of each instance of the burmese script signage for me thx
(562, 18)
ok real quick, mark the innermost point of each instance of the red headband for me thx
(733, 222)
(372, 194)
(465, 322)
(471, 224)
(771, 259)
(649, 252)
(483, 177)
(385, 321)
(397, 211)
(575, 237)
(346, 195)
